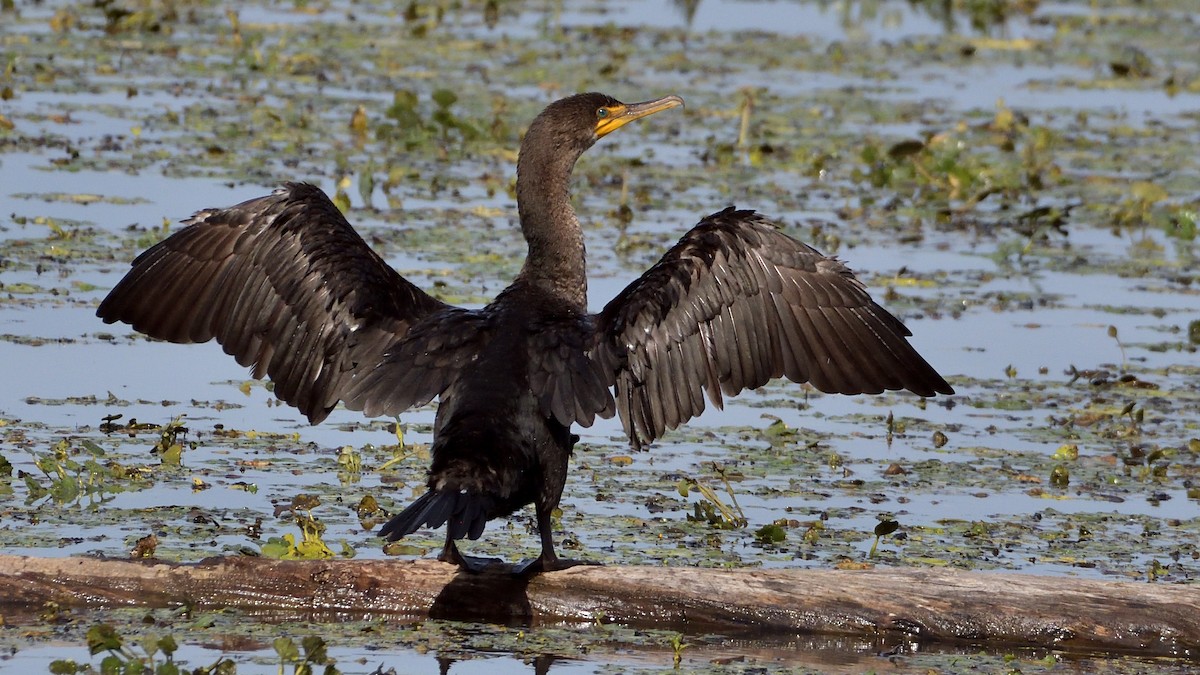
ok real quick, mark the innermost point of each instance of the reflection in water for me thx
(541, 663)
(687, 8)
(825, 654)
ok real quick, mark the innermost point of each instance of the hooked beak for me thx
(624, 113)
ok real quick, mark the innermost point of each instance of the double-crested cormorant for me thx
(288, 287)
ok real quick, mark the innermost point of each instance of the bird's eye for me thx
(602, 113)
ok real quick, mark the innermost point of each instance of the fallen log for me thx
(921, 605)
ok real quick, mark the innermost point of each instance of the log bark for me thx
(923, 605)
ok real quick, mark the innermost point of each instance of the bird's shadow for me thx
(493, 595)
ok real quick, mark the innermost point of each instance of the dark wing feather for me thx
(520, 335)
(286, 286)
(568, 384)
(414, 370)
(735, 303)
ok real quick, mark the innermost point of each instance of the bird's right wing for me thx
(735, 303)
(286, 286)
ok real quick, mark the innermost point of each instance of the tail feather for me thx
(465, 515)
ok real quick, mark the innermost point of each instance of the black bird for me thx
(287, 287)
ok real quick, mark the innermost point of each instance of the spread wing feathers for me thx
(735, 303)
(286, 286)
(422, 364)
(554, 348)
(568, 384)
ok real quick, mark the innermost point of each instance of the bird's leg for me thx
(548, 561)
(472, 564)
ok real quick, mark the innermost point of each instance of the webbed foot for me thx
(532, 567)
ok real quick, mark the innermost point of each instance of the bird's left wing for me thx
(735, 303)
(412, 371)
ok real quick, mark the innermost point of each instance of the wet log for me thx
(921, 605)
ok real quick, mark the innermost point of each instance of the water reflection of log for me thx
(915, 605)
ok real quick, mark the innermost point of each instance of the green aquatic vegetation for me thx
(170, 435)
(1060, 476)
(311, 545)
(311, 652)
(149, 17)
(1149, 205)
(710, 508)
(885, 527)
(141, 657)
(956, 170)
(125, 651)
(169, 448)
(78, 469)
(350, 465)
(984, 16)
(771, 534)
(408, 127)
(76, 198)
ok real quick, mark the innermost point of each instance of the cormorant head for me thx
(573, 124)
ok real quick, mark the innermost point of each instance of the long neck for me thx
(556, 251)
